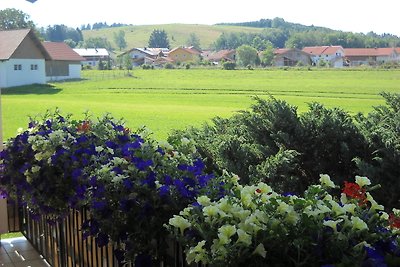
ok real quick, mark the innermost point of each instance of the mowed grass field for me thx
(164, 100)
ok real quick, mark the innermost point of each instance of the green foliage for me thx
(381, 128)
(194, 41)
(273, 144)
(169, 66)
(61, 33)
(119, 39)
(246, 55)
(159, 38)
(229, 65)
(11, 19)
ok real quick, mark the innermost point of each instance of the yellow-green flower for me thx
(260, 250)
(204, 201)
(358, 224)
(361, 181)
(243, 237)
(332, 224)
(225, 232)
(326, 181)
(180, 223)
(210, 211)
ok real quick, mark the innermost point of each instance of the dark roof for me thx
(12, 39)
(61, 51)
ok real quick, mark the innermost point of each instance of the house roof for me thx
(219, 55)
(92, 52)
(370, 51)
(190, 50)
(12, 39)
(282, 51)
(61, 51)
(322, 50)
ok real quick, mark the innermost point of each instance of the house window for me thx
(34, 67)
(17, 67)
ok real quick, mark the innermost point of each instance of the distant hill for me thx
(178, 34)
(278, 31)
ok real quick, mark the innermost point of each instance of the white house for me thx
(65, 63)
(22, 58)
(333, 55)
(93, 56)
(371, 56)
(145, 55)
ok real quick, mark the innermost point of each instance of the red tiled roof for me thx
(61, 51)
(370, 51)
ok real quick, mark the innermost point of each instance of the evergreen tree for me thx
(159, 38)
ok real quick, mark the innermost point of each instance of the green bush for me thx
(229, 65)
(271, 143)
(169, 66)
(381, 128)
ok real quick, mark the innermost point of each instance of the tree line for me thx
(292, 35)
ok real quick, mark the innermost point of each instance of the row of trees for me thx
(285, 38)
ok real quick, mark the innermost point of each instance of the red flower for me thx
(394, 221)
(258, 190)
(353, 190)
(84, 127)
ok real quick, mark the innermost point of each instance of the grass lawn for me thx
(174, 99)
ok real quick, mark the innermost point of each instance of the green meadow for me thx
(164, 100)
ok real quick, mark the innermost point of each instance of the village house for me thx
(184, 54)
(331, 55)
(145, 55)
(226, 55)
(22, 58)
(64, 62)
(290, 57)
(93, 56)
(371, 56)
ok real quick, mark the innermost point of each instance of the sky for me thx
(345, 15)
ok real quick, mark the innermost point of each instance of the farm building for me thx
(290, 57)
(331, 55)
(184, 54)
(65, 63)
(371, 56)
(22, 58)
(93, 56)
(145, 55)
(227, 55)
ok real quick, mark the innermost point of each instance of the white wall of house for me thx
(16, 72)
(74, 73)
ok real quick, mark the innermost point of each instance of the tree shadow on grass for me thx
(34, 89)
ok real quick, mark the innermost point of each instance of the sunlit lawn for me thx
(174, 99)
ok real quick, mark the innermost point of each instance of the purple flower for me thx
(164, 190)
(127, 184)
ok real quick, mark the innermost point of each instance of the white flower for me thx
(350, 208)
(210, 211)
(99, 149)
(343, 198)
(225, 232)
(197, 253)
(179, 222)
(283, 207)
(264, 188)
(204, 201)
(325, 180)
(384, 216)
(374, 204)
(358, 224)
(396, 212)
(361, 181)
(332, 224)
(260, 250)
(243, 237)
(35, 169)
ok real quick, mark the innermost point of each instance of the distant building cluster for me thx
(24, 59)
